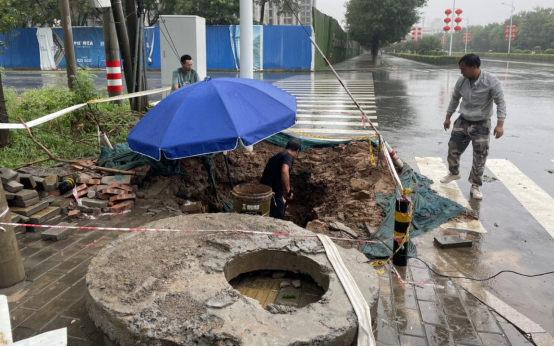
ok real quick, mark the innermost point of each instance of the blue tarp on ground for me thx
(287, 47)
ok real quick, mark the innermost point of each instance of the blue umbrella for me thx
(211, 116)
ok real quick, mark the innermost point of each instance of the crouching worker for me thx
(277, 176)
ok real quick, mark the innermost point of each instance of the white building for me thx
(272, 17)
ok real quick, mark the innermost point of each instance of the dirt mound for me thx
(330, 183)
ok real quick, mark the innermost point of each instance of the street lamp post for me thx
(467, 36)
(510, 33)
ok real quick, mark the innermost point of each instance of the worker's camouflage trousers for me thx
(463, 132)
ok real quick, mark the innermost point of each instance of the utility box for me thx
(180, 35)
(100, 3)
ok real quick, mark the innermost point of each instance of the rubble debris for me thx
(334, 225)
(57, 234)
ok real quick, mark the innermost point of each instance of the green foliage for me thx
(216, 12)
(537, 49)
(518, 51)
(40, 13)
(526, 51)
(377, 23)
(429, 59)
(70, 136)
(549, 51)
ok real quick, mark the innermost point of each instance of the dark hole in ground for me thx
(284, 288)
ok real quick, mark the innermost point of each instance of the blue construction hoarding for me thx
(275, 48)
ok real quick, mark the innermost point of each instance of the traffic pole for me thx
(402, 220)
(11, 266)
(113, 64)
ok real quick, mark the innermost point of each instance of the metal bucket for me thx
(253, 199)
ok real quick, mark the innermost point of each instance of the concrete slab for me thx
(156, 189)
(50, 183)
(56, 234)
(9, 195)
(52, 221)
(24, 203)
(27, 180)
(31, 210)
(13, 186)
(452, 242)
(25, 194)
(95, 203)
(123, 179)
(44, 215)
(8, 175)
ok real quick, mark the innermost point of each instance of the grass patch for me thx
(71, 136)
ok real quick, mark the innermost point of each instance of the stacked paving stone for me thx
(30, 200)
(104, 194)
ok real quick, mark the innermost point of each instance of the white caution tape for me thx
(2, 215)
(365, 333)
(60, 113)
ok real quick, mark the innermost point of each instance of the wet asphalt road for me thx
(411, 101)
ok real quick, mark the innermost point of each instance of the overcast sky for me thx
(478, 11)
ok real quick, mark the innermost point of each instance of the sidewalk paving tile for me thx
(483, 320)
(406, 340)
(19, 315)
(453, 306)
(432, 313)
(493, 339)
(384, 326)
(438, 335)
(77, 310)
(22, 333)
(514, 336)
(404, 296)
(409, 322)
(420, 275)
(384, 286)
(463, 332)
(46, 314)
(426, 293)
(41, 269)
(449, 287)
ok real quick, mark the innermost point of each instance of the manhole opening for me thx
(277, 277)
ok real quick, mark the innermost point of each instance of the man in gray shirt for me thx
(184, 75)
(477, 89)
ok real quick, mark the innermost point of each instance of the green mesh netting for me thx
(281, 139)
(121, 157)
(430, 211)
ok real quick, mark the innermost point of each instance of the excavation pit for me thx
(174, 287)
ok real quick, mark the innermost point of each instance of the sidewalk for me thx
(411, 315)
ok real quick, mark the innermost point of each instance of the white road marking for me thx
(333, 131)
(345, 107)
(333, 116)
(341, 104)
(312, 122)
(330, 111)
(539, 204)
(435, 169)
(334, 101)
(317, 98)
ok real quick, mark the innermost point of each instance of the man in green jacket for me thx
(184, 75)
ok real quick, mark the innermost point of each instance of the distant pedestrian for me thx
(184, 75)
(277, 176)
(477, 89)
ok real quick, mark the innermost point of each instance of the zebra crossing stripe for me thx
(539, 204)
(300, 100)
(313, 122)
(317, 98)
(334, 116)
(333, 131)
(435, 169)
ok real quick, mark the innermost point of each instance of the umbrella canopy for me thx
(211, 116)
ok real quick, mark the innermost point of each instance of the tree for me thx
(282, 6)
(7, 22)
(377, 23)
(216, 12)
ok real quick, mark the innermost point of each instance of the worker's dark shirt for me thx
(272, 172)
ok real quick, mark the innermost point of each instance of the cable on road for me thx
(471, 278)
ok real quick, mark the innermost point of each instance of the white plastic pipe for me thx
(246, 41)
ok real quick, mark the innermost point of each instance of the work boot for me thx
(476, 192)
(450, 177)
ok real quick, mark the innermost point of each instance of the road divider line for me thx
(435, 169)
(539, 204)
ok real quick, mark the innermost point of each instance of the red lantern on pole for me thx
(458, 20)
(448, 12)
(457, 28)
(459, 12)
(506, 36)
(419, 28)
(513, 36)
(413, 28)
(447, 20)
(514, 27)
(507, 27)
(413, 37)
(446, 28)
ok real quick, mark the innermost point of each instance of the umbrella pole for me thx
(228, 171)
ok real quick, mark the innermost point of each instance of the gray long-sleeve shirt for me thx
(477, 98)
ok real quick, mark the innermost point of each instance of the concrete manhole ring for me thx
(172, 287)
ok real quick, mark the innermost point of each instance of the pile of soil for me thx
(329, 184)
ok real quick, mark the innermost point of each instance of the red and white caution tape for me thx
(254, 232)
(420, 283)
(105, 214)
